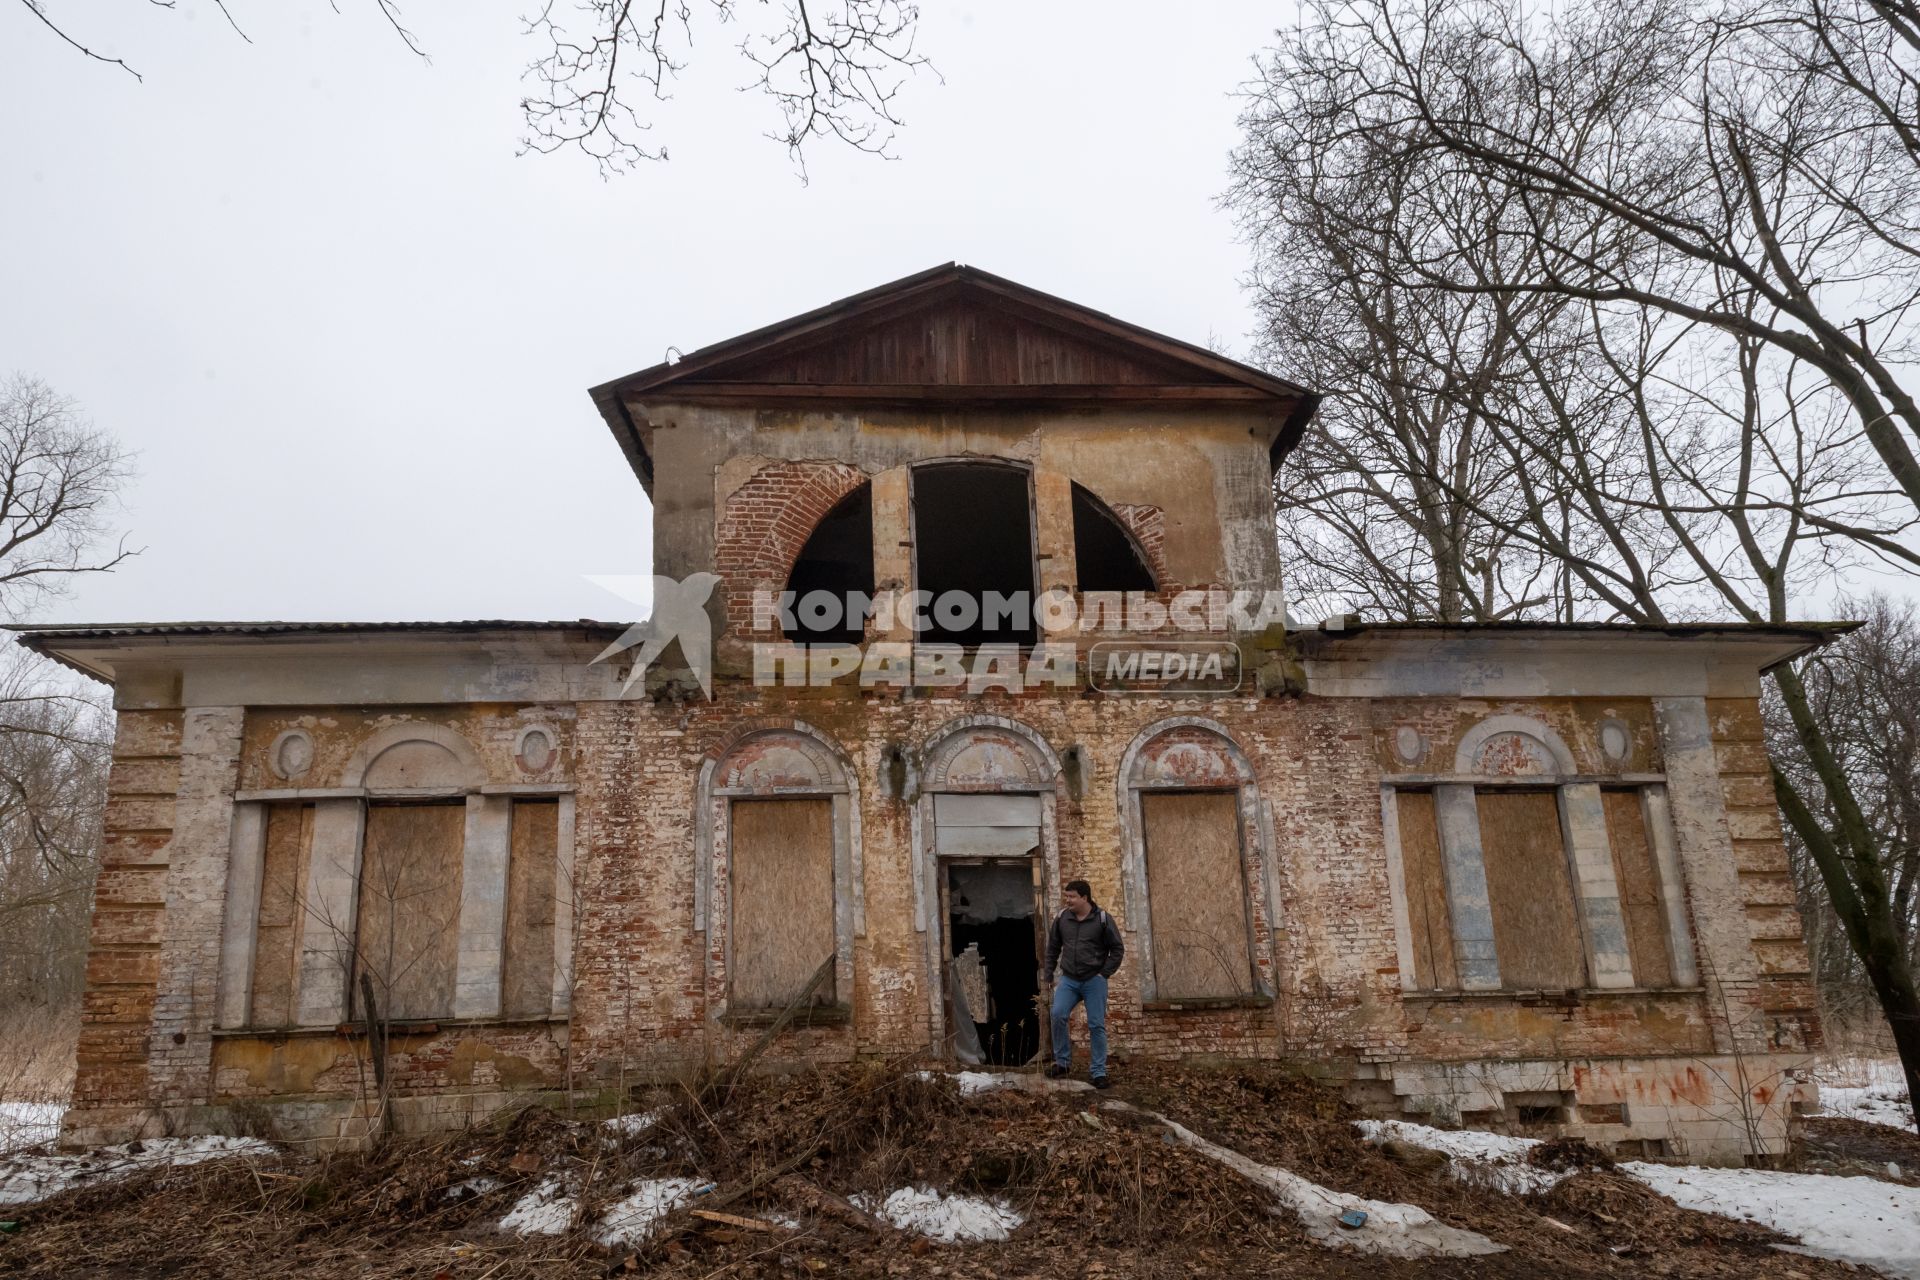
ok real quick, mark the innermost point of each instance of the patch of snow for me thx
(1869, 1089)
(1478, 1159)
(629, 1125)
(25, 1179)
(631, 1221)
(469, 1188)
(946, 1218)
(1396, 1230)
(1858, 1220)
(547, 1210)
(973, 1082)
(29, 1124)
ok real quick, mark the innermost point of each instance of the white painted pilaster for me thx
(1583, 826)
(1673, 887)
(333, 898)
(483, 906)
(246, 866)
(1397, 885)
(1468, 906)
(563, 902)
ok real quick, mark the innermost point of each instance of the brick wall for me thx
(647, 981)
(1783, 992)
(765, 523)
(123, 957)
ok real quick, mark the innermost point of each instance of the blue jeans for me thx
(1067, 992)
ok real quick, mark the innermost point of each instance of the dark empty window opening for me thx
(1105, 556)
(1535, 1108)
(837, 559)
(973, 534)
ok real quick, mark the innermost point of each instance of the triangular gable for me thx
(950, 337)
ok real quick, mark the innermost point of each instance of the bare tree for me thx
(1682, 426)
(832, 68)
(1860, 691)
(59, 478)
(1682, 157)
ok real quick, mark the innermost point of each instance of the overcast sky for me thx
(349, 332)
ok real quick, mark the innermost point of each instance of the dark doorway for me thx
(973, 533)
(991, 927)
(1105, 557)
(837, 558)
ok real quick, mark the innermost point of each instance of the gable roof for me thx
(951, 337)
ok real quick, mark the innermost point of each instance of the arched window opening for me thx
(973, 534)
(837, 559)
(1105, 556)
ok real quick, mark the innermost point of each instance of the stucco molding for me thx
(364, 757)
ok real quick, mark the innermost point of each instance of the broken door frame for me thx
(977, 755)
(1035, 868)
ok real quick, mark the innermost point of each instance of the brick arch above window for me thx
(766, 521)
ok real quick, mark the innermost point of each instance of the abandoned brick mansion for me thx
(1522, 872)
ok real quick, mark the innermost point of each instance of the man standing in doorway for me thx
(1084, 944)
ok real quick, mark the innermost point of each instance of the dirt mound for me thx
(1101, 1193)
(1568, 1153)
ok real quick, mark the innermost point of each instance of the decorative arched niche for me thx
(779, 874)
(1513, 746)
(989, 789)
(414, 756)
(1185, 781)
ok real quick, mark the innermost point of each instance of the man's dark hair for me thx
(1080, 887)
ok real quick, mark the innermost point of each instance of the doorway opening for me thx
(993, 948)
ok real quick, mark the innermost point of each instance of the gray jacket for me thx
(1082, 948)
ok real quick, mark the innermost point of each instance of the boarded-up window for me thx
(1197, 895)
(1536, 932)
(409, 922)
(1426, 886)
(526, 988)
(283, 882)
(1639, 881)
(782, 900)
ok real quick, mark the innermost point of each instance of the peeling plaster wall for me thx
(643, 974)
(1198, 483)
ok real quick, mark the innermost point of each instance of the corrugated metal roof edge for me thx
(36, 631)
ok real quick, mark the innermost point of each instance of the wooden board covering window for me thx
(409, 922)
(782, 900)
(1426, 886)
(276, 939)
(1197, 895)
(1536, 931)
(1641, 905)
(526, 985)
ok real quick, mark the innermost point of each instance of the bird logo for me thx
(679, 613)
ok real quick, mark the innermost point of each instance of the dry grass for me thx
(36, 1054)
(1102, 1196)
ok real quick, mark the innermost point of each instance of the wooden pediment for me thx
(951, 337)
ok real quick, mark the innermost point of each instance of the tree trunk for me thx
(1856, 882)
